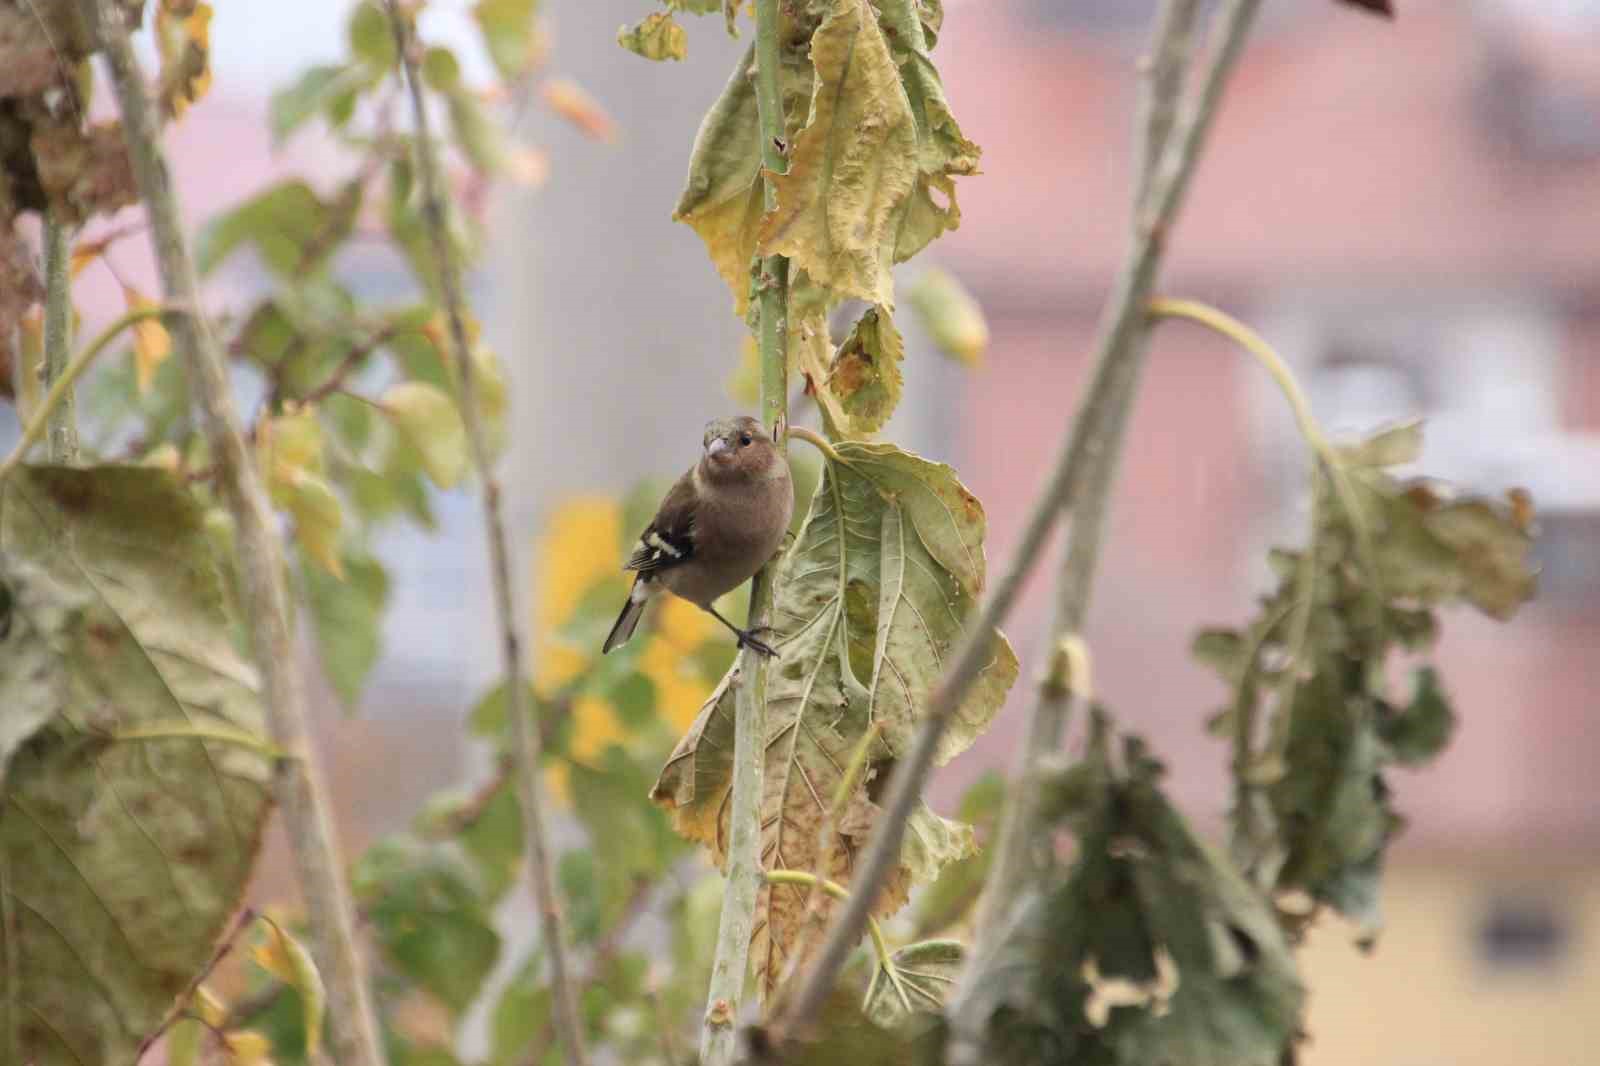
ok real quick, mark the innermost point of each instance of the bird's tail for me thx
(628, 620)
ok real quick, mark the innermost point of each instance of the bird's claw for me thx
(747, 639)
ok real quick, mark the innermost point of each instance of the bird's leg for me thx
(747, 637)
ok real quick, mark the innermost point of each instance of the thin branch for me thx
(1115, 366)
(61, 387)
(240, 922)
(526, 739)
(63, 435)
(298, 780)
(348, 365)
(1163, 72)
(731, 959)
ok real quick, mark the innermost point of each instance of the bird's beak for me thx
(717, 445)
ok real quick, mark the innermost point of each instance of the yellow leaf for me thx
(865, 374)
(151, 342)
(581, 546)
(208, 1006)
(184, 42)
(285, 958)
(656, 37)
(559, 664)
(316, 512)
(569, 100)
(247, 1047)
(293, 440)
(87, 252)
(594, 729)
(951, 316)
(426, 416)
(851, 167)
(679, 688)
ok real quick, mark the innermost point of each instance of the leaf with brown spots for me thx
(121, 860)
(20, 288)
(869, 602)
(866, 376)
(183, 37)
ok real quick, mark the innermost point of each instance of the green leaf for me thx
(951, 316)
(851, 167)
(287, 959)
(440, 70)
(508, 33)
(372, 38)
(328, 90)
(430, 914)
(656, 36)
(40, 622)
(1422, 730)
(956, 890)
(870, 601)
(427, 418)
(922, 976)
(348, 619)
(292, 228)
(118, 883)
(865, 374)
(477, 135)
(520, 1015)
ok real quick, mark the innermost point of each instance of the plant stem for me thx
(61, 387)
(1115, 366)
(58, 340)
(298, 781)
(1162, 72)
(526, 738)
(735, 926)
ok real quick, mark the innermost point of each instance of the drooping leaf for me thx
(118, 881)
(427, 417)
(869, 603)
(1206, 976)
(943, 153)
(328, 90)
(1421, 730)
(952, 896)
(282, 955)
(722, 199)
(151, 342)
(951, 316)
(851, 166)
(656, 36)
(865, 374)
(923, 975)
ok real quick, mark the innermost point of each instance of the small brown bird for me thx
(716, 527)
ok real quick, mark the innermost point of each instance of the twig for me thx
(58, 339)
(526, 740)
(245, 917)
(1162, 71)
(61, 387)
(730, 962)
(1113, 368)
(298, 781)
(347, 366)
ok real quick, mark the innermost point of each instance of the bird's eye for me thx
(744, 440)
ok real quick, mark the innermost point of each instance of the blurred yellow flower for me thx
(559, 663)
(682, 624)
(680, 690)
(581, 546)
(595, 728)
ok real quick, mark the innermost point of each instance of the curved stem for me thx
(525, 736)
(800, 877)
(817, 441)
(61, 387)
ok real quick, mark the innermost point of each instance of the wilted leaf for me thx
(184, 41)
(39, 625)
(151, 342)
(427, 417)
(283, 956)
(82, 172)
(656, 36)
(865, 375)
(869, 602)
(951, 316)
(722, 199)
(430, 917)
(924, 973)
(119, 882)
(1421, 730)
(852, 165)
(347, 615)
(943, 153)
(292, 228)
(1206, 976)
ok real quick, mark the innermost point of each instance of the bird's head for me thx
(739, 449)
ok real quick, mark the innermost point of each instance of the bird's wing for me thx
(668, 540)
